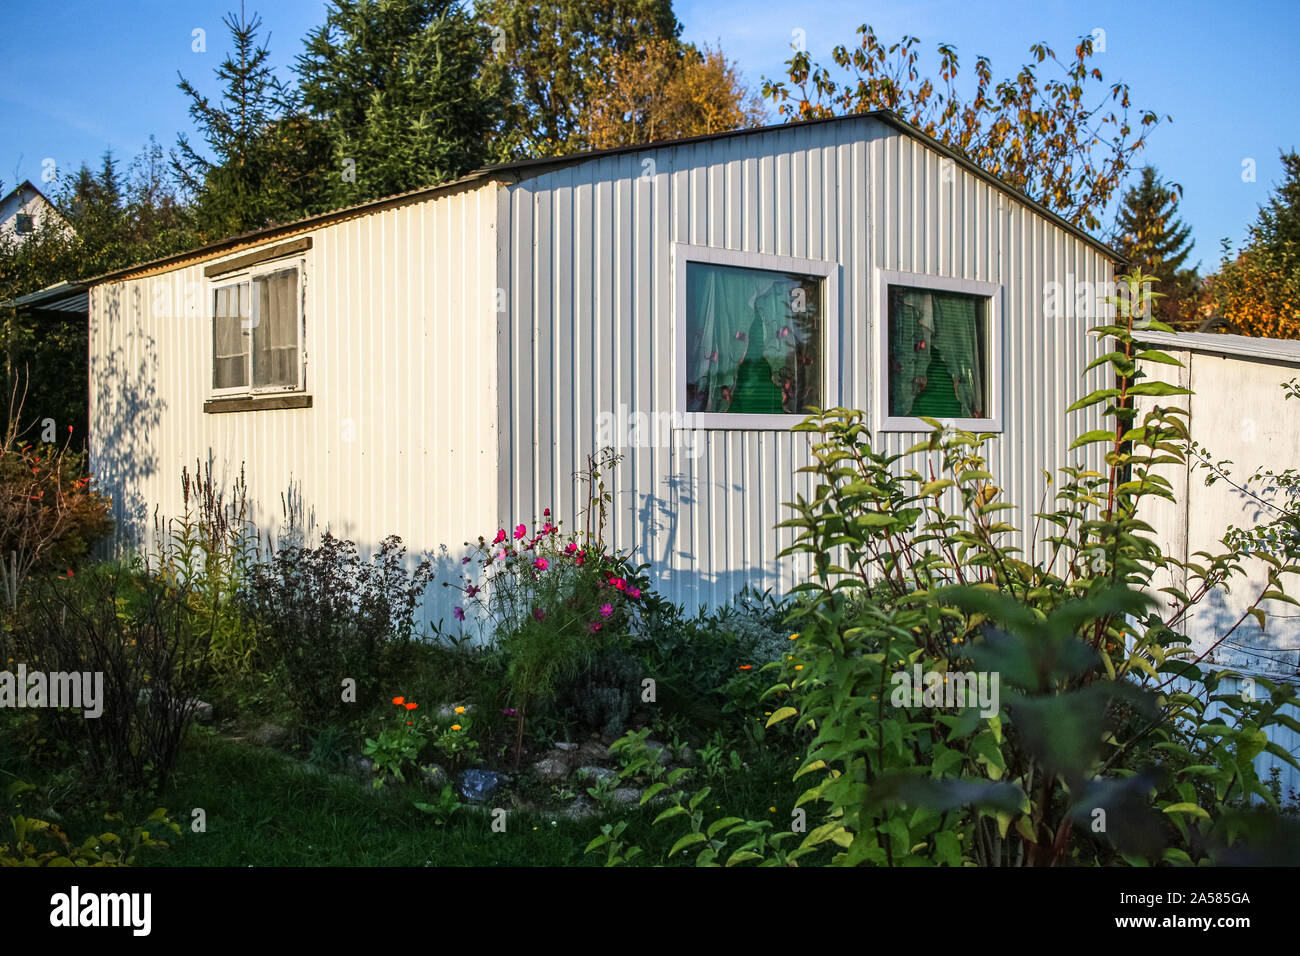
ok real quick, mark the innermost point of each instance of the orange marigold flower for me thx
(746, 667)
(455, 726)
(411, 705)
(460, 710)
(399, 701)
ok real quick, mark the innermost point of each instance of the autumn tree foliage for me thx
(666, 90)
(1149, 233)
(1258, 289)
(1065, 140)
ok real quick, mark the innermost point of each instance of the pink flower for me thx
(459, 613)
(634, 593)
(606, 610)
(471, 590)
(595, 626)
(464, 560)
(571, 548)
(539, 614)
(520, 531)
(501, 556)
(546, 512)
(618, 583)
(509, 711)
(577, 559)
(541, 564)
(501, 536)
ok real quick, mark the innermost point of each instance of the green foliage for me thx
(400, 89)
(1151, 236)
(268, 159)
(39, 842)
(446, 806)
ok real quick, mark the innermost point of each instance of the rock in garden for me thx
(200, 710)
(686, 756)
(664, 755)
(566, 746)
(627, 796)
(595, 773)
(593, 752)
(580, 809)
(552, 768)
(478, 786)
(434, 777)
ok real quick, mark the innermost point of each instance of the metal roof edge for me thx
(1282, 350)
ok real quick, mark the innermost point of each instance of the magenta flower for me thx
(464, 560)
(471, 590)
(539, 614)
(546, 512)
(541, 564)
(509, 712)
(606, 610)
(459, 613)
(571, 548)
(520, 531)
(618, 583)
(595, 626)
(502, 555)
(634, 593)
(501, 536)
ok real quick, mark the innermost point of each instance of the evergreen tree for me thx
(400, 87)
(267, 158)
(556, 56)
(1150, 234)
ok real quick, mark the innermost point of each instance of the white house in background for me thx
(439, 364)
(24, 210)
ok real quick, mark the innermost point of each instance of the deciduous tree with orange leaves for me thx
(1065, 140)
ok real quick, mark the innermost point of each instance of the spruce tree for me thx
(1150, 234)
(399, 85)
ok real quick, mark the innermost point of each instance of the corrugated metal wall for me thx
(588, 281)
(400, 336)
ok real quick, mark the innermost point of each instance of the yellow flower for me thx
(455, 726)
(794, 637)
(771, 809)
(798, 667)
(460, 710)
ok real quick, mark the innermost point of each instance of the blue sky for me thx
(101, 75)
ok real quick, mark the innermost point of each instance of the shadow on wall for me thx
(128, 411)
(677, 573)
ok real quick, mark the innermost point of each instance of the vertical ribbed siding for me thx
(401, 344)
(589, 327)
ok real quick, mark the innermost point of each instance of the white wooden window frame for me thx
(993, 336)
(246, 277)
(826, 269)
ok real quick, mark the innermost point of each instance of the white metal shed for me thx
(439, 364)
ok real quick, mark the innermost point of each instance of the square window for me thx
(256, 323)
(939, 342)
(753, 333)
(24, 224)
(938, 354)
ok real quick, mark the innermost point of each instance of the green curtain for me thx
(748, 350)
(935, 355)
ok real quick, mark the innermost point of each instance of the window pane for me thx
(230, 337)
(275, 337)
(753, 340)
(938, 354)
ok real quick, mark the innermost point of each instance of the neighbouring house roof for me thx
(61, 297)
(26, 185)
(513, 171)
(1218, 343)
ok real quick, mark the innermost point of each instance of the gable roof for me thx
(27, 184)
(512, 172)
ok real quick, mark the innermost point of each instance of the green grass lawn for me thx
(265, 809)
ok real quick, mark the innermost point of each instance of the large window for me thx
(753, 337)
(256, 326)
(940, 343)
